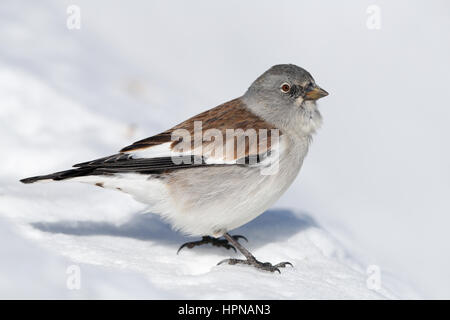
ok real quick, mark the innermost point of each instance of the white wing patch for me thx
(160, 150)
(211, 153)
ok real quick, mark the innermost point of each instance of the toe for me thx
(237, 237)
(283, 264)
(223, 261)
(181, 247)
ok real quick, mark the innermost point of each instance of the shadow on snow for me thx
(272, 226)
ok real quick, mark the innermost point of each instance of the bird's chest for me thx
(286, 170)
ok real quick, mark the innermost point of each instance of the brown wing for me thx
(230, 115)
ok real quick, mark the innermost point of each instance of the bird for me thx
(222, 168)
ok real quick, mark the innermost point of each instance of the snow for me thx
(71, 96)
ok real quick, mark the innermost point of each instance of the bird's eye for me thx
(285, 87)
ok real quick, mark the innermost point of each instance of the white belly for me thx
(211, 200)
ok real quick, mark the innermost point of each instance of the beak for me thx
(315, 93)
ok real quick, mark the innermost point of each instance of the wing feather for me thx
(232, 115)
(166, 151)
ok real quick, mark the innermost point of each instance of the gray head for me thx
(287, 83)
(285, 95)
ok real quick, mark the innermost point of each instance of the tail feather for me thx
(121, 163)
(62, 175)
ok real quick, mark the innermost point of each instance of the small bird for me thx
(221, 168)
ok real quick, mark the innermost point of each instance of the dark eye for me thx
(285, 87)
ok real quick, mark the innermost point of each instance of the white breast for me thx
(214, 200)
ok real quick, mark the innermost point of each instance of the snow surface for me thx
(70, 96)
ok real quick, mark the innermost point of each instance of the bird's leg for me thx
(214, 241)
(250, 259)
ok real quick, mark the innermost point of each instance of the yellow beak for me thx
(316, 93)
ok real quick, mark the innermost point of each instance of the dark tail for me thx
(119, 163)
(62, 175)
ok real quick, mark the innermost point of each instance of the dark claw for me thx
(215, 242)
(224, 260)
(283, 264)
(190, 245)
(237, 237)
(223, 243)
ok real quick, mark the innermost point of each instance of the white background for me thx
(377, 176)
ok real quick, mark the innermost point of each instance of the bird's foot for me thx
(214, 241)
(266, 266)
